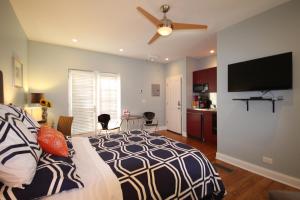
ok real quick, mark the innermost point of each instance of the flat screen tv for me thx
(262, 74)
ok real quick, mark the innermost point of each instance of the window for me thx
(82, 100)
(109, 96)
(91, 94)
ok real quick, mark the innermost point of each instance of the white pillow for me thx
(19, 154)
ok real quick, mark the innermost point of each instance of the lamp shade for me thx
(36, 97)
(35, 112)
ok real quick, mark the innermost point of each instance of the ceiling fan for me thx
(165, 26)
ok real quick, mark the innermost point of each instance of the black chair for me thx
(104, 119)
(149, 120)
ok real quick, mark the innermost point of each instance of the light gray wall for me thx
(48, 73)
(250, 135)
(13, 43)
(194, 64)
(178, 68)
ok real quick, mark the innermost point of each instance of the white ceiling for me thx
(108, 25)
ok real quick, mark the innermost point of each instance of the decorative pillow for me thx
(70, 146)
(10, 113)
(54, 175)
(19, 154)
(52, 141)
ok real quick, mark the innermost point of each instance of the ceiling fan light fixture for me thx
(164, 30)
(165, 26)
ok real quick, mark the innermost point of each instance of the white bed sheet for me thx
(100, 183)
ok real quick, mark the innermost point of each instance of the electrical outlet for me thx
(267, 160)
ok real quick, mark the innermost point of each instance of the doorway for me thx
(174, 104)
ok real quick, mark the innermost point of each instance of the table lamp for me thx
(36, 98)
(36, 112)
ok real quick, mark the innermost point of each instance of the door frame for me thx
(168, 78)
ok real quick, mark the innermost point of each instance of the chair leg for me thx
(155, 129)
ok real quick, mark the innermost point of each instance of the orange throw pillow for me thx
(52, 141)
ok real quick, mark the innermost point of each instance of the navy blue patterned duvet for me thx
(150, 166)
(54, 174)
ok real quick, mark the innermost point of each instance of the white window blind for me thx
(92, 94)
(109, 96)
(82, 102)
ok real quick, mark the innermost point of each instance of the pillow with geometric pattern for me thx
(19, 153)
(10, 113)
(54, 174)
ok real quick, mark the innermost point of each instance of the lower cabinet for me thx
(194, 124)
(202, 125)
(209, 133)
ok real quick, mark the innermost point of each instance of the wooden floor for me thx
(240, 184)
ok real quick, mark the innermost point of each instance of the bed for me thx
(139, 165)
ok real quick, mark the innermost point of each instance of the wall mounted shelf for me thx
(259, 99)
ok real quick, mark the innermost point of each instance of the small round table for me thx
(128, 118)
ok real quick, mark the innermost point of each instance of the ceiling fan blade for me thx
(181, 26)
(155, 37)
(150, 17)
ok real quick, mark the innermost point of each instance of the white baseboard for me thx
(162, 128)
(276, 176)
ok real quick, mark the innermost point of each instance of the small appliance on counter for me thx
(201, 101)
(204, 102)
(195, 103)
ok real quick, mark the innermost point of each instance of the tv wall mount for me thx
(272, 100)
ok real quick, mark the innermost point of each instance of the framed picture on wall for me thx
(155, 90)
(17, 73)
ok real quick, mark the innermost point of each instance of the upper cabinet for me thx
(195, 77)
(212, 80)
(206, 76)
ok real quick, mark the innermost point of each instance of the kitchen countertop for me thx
(204, 109)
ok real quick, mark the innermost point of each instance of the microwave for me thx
(200, 88)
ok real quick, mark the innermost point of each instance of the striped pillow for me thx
(19, 154)
(10, 113)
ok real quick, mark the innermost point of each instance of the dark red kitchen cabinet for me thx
(202, 77)
(212, 79)
(194, 123)
(208, 135)
(206, 76)
(200, 125)
(195, 77)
